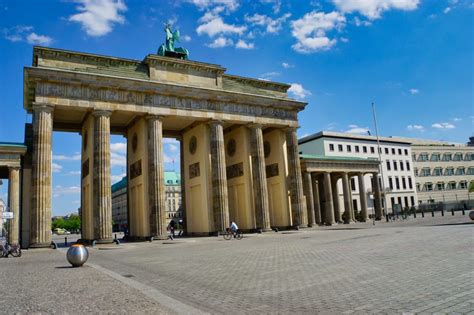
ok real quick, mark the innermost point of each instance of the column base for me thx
(40, 245)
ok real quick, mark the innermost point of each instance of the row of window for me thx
(395, 165)
(449, 171)
(396, 181)
(435, 157)
(442, 186)
(357, 149)
(398, 201)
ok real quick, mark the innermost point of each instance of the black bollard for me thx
(442, 212)
(422, 214)
(414, 214)
(65, 241)
(115, 236)
(432, 213)
(463, 212)
(452, 211)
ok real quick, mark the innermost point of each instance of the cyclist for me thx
(233, 227)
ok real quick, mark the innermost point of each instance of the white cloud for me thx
(97, 17)
(373, 9)
(117, 178)
(56, 168)
(286, 65)
(296, 90)
(414, 91)
(59, 190)
(35, 39)
(24, 33)
(443, 126)
(75, 157)
(213, 25)
(74, 173)
(244, 45)
(446, 10)
(173, 147)
(221, 42)
(344, 39)
(230, 5)
(416, 128)
(271, 25)
(186, 38)
(357, 130)
(118, 147)
(359, 22)
(270, 75)
(310, 31)
(456, 119)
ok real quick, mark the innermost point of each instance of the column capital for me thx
(154, 117)
(215, 122)
(38, 107)
(106, 113)
(14, 168)
(254, 126)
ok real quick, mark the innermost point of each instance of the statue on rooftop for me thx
(168, 49)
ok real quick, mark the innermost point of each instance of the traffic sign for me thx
(8, 215)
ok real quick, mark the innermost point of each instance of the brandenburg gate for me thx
(239, 148)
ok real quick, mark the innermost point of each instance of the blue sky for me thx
(413, 58)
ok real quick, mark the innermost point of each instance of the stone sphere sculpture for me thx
(77, 255)
(471, 215)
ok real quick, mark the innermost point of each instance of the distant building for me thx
(2, 209)
(173, 200)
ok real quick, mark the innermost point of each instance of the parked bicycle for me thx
(7, 249)
(229, 234)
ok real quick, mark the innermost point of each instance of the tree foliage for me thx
(71, 223)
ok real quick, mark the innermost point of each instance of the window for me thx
(395, 167)
(458, 157)
(400, 151)
(406, 201)
(393, 151)
(364, 149)
(390, 183)
(340, 148)
(428, 187)
(353, 184)
(397, 182)
(349, 148)
(415, 171)
(423, 157)
(450, 171)
(392, 200)
(410, 184)
(380, 150)
(470, 171)
(357, 148)
(425, 172)
(412, 199)
(372, 150)
(460, 171)
(331, 147)
(435, 157)
(418, 187)
(463, 185)
(452, 185)
(388, 165)
(438, 171)
(406, 151)
(447, 157)
(413, 157)
(386, 150)
(404, 183)
(400, 201)
(468, 157)
(408, 165)
(401, 166)
(440, 186)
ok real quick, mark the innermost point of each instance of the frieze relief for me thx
(173, 102)
(235, 170)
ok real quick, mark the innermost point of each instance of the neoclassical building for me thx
(239, 148)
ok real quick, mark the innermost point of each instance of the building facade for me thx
(396, 162)
(2, 209)
(174, 208)
(443, 171)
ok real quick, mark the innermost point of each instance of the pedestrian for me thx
(171, 228)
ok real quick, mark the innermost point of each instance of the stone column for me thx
(329, 211)
(347, 198)
(335, 199)
(156, 178)
(377, 197)
(102, 194)
(308, 190)
(14, 204)
(316, 200)
(362, 197)
(295, 182)
(220, 201)
(40, 235)
(259, 174)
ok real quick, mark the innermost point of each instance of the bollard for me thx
(422, 214)
(452, 211)
(442, 212)
(432, 213)
(463, 212)
(115, 236)
(414, 214)
(65, 241)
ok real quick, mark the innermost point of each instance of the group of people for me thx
(172, 227)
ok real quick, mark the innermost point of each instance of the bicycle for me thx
(13, 250)
(237, 234)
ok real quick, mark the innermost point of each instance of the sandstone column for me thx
(316, 199)
(377, 197)
(156, 180)
(40, 235)
(102, 194)
(335, 199)
(362, 197)
(308, 190)
(14, 204)
(260, 190)
(347, 198)
(329, 211)
(298, 206)
(220, 201)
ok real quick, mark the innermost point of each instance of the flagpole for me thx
(380, 160)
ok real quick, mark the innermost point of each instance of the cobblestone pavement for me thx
(414, 266)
